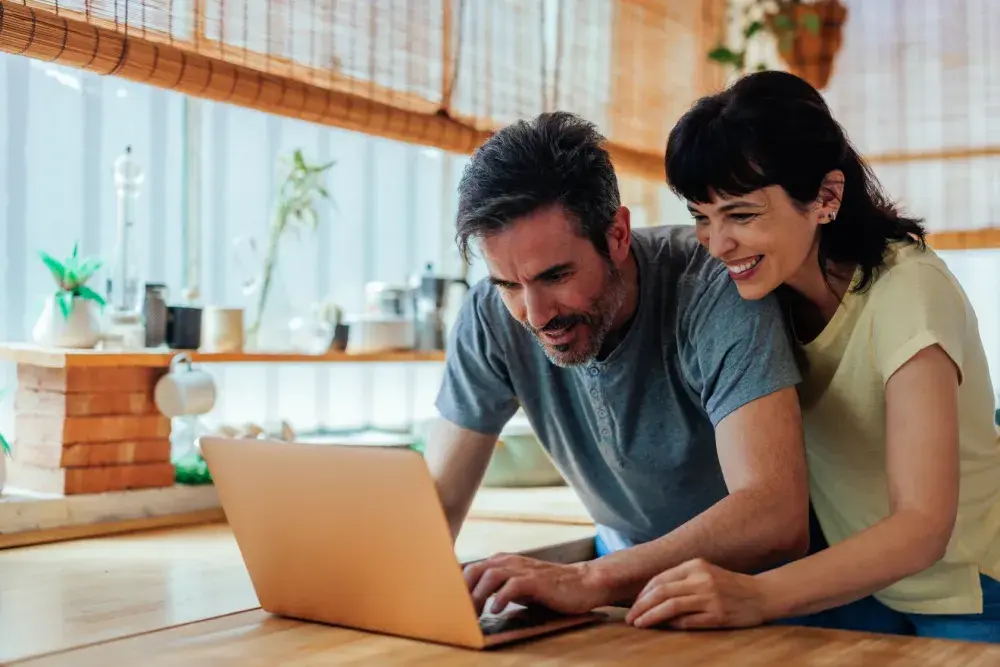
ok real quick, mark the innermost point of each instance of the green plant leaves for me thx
(4, 445)
(783, 22)
(85, 292)
(812, 23)
(65, 301)
(753, 29)
(54, 266)
(71, 274)
(726, 56)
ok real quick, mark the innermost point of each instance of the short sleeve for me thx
(916, 305)
(476, 392)
(738, 349)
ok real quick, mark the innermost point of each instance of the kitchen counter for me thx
(27, 518)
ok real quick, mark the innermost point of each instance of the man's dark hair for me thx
(556, 158)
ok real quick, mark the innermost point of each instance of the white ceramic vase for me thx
(81, 330)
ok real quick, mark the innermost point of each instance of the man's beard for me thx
(597, 321)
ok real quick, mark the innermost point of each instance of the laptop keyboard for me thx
(493, 624)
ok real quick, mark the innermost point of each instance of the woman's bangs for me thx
(711, 165)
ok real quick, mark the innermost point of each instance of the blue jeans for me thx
(870, 615)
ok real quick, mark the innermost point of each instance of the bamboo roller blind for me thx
(442, 73)
(917, 87)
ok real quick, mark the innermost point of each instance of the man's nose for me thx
(539, 310)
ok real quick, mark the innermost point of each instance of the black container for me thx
(183, 327)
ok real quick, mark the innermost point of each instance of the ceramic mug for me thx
(185, 390)
(222, 329)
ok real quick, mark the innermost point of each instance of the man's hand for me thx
(698, 594)
(568, 589)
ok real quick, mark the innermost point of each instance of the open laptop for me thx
(356, 536)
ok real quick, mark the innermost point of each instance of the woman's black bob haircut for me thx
(773, 128)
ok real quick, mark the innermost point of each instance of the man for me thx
(665, 400)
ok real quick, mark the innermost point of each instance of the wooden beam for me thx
(967, 239)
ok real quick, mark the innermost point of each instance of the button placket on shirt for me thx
(598, 403)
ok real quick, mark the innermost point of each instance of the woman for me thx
(903, 454)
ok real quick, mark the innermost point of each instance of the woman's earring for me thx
(831, 216)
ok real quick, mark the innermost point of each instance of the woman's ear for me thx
(831, 193)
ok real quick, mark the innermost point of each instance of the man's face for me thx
(554, 282)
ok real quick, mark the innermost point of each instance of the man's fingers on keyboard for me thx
(489, 583)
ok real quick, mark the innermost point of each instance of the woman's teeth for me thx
(746, 266)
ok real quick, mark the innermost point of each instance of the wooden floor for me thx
(182, 596)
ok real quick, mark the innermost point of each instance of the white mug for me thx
(221, 329)
(184, 390)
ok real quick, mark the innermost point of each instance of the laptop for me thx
(355, 536)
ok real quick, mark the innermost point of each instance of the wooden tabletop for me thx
(182, 596)
(59, 596)
(256, 638)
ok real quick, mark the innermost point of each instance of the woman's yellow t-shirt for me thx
(915, 302)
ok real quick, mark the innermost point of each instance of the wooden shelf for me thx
(969, 239)
(27, 353)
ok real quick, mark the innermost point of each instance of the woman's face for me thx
(762, 237)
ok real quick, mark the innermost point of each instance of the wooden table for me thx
(55, 597)
(255, 638)
(182, 596)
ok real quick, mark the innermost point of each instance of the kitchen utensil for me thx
(433, 295)
(184, 390)
(222, 329)
(154, 314)
(183, 327)
(379, 333)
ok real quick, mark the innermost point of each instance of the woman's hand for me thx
(698, 594)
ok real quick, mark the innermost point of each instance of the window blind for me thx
(441, 73)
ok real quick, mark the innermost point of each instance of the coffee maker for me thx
(432, 295)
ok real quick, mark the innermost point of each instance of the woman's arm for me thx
(923, 474)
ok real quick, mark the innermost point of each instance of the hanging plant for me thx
(808, 36)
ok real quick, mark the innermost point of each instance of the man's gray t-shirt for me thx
(634, 433)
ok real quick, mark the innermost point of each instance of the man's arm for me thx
(475, 401)
(457, 458)
(762, 522)
(739, 358)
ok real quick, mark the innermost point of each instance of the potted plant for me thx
(808, 36)
(70, 317)
(295, 211)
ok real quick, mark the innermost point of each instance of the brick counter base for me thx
(82, 429)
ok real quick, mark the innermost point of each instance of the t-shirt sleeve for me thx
(476, 392)
(917, 306)
(739, 349)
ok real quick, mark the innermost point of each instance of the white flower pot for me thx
(81, 330)
(3, 469)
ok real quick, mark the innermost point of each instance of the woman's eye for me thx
(743, 217)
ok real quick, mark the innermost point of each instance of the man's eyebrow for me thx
(552, 271)
(544, 275)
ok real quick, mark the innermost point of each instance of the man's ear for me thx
(620, 235)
